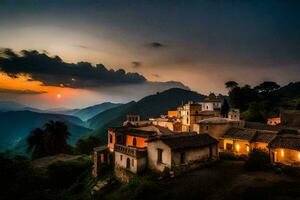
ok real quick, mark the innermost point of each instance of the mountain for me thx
(91, 111)
(150, 106)
(11, 105)
(16, 126)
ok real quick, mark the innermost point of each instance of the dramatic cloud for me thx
(136, 64)
(53, 71)
(156, 45)
(11, 91)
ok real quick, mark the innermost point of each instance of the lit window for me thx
(282, 153)
(237, 146)
(247, 147)
(299, 156)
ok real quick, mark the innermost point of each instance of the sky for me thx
(76, 49)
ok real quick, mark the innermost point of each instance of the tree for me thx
(231, 84)
(37, 143)
(225, 108)
(298, 106)
(58, 135)
(253, 113)
(258, 160)
(86, 146)
(267, 87)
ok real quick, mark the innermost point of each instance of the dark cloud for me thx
(12, 91)
(81, 46)
(156, 75)
(136, 64)
(55, 72)
(156, 45)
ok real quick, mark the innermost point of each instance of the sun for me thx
(58, 96)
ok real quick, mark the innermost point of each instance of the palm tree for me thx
(58, 135)
(36, 142)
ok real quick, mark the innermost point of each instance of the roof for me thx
(264, 136)
(216, 120)
(239, 134)
(217, 100)
(262, 126)
(186, 141)
(133, 131)
(101, 148)
(156, 128)
(286, 141)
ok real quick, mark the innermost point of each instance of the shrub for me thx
(63, 174)
(258, 160)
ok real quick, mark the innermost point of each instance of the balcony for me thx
(131, 151)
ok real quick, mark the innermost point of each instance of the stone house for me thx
(285, 147)
(237, 141)
(100, 156)
(181, 152)
(216, 126)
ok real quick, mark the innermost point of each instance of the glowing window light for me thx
(299, 156)
(237, 146)
(282, 153)
(247, 148)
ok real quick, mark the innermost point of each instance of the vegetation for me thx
(264, 100)
(50, 140)
(86, 146)
(20, 180)
(225, 108)
(258, 160)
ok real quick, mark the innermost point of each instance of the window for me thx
(128, 163)
(229, 147)
(132, 161)
(187, 120)
(207, 107)
(134, 141)
(159, 155)
(121, 157)
(207, 128)
(182, 157)
(110, 138)
(196, 112)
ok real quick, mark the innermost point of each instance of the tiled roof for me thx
(264, 136)
(261, 126)
(133, 131)
(286, 141)
(239, 134)
(187, 141)
(216, 120)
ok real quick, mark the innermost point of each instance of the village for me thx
(190, 137)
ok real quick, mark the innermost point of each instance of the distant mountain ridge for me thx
(16, 126)
(91, 111)
(149, 106)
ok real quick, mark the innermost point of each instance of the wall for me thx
(192, 155)
(285, 156)
(140, 141)
(172, 113)
(152, 156)
(260, 145)
(110, 144)
(239, 146)
(123, 163)
(216, 130)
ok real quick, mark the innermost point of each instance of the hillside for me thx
(150, 106)
(16, 125)
(89, 112)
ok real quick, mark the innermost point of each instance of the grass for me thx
(225, 180)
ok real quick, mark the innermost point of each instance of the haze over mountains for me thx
(18, 120)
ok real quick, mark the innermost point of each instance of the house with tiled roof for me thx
(237, 141)
(285, 147)
(181, 152)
